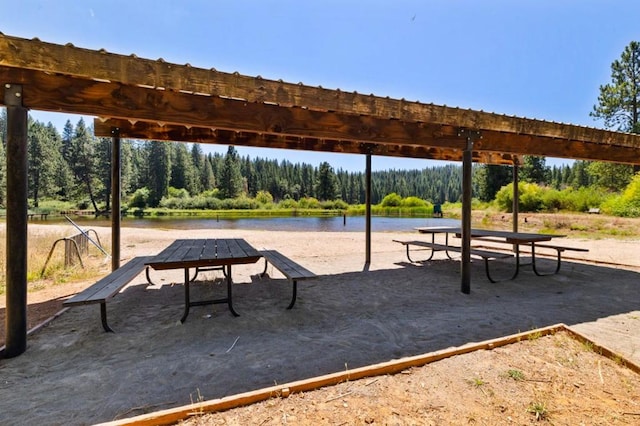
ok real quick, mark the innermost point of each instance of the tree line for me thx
(75, 166)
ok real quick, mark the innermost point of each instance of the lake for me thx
(311, 224)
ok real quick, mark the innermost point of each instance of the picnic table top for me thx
(509, 236)
(192, 253)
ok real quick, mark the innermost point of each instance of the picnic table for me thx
(200, 255)
(515, 239)
(203, 255)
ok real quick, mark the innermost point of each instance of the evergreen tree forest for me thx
(74, 166)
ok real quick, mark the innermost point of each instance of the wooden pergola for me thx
(152, 99)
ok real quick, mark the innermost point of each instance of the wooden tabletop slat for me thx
(191, 253)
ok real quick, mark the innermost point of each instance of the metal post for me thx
(467, 158)
(16, 237)
(115, 198)
(368, 210)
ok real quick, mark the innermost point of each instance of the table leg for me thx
(187, 302)
(229, 294)
(228, 300)
(446, 243)
(515, 274)
(533, 262)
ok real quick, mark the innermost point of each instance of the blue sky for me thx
(540, 59)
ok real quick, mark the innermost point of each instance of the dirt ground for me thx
(554, 379)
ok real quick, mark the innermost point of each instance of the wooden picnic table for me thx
(203, 255)
(516, 239)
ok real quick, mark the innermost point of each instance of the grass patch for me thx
(39, 244)
(539, 410)
(516, 375)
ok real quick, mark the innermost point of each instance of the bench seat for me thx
(290, 269)
(486, 255)
(559, 250)
(109, 286)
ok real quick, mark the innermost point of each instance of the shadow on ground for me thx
(74, 373)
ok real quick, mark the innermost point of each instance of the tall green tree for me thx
(43, 160)
(103, 169)
(534, 170)
(183, 172)
(327, 185)
(83, 162)
(490, 178)
(619, 101)
(159, 173)
(613, 177)
(231, 182)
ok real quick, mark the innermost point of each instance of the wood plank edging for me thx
(174, 415)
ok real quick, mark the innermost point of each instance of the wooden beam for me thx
(56, 93)
(553, 147)
(130, 70)
(155, 131)
(493, 148)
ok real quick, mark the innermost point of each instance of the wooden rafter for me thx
(59, 93)
(129, 70)
(167, 132)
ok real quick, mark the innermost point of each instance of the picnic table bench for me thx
(486, 255)
(34, 215)
(290, 269)
(108, 287)
(559, 250)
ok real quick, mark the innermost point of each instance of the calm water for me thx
(311, 224)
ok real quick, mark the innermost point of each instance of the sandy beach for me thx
(351, 316)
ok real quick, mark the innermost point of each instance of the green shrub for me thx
(178, 193)
(288, 203)
(139, 199)
(530, 197)
(240, 203)
(391, 200)
(309, 203)
(264, 197)
(584, 198)
(628, 203)
(413, 202)
(340, 205)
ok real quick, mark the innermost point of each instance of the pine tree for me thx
(83, 162)
(619, 101)
(231, 178)
(534, 170)
(44, 161)
(327, 186)
(159, 175)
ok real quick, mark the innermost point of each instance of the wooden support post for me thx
(368, 211)
(16, 237)
(516, 200)
(467, 158)
(115, 198)
(516, 196)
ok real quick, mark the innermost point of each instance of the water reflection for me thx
(311, 224)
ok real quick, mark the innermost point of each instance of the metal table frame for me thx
(504, 237)
(204, 255)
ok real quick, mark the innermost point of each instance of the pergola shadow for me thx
(75, 373)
